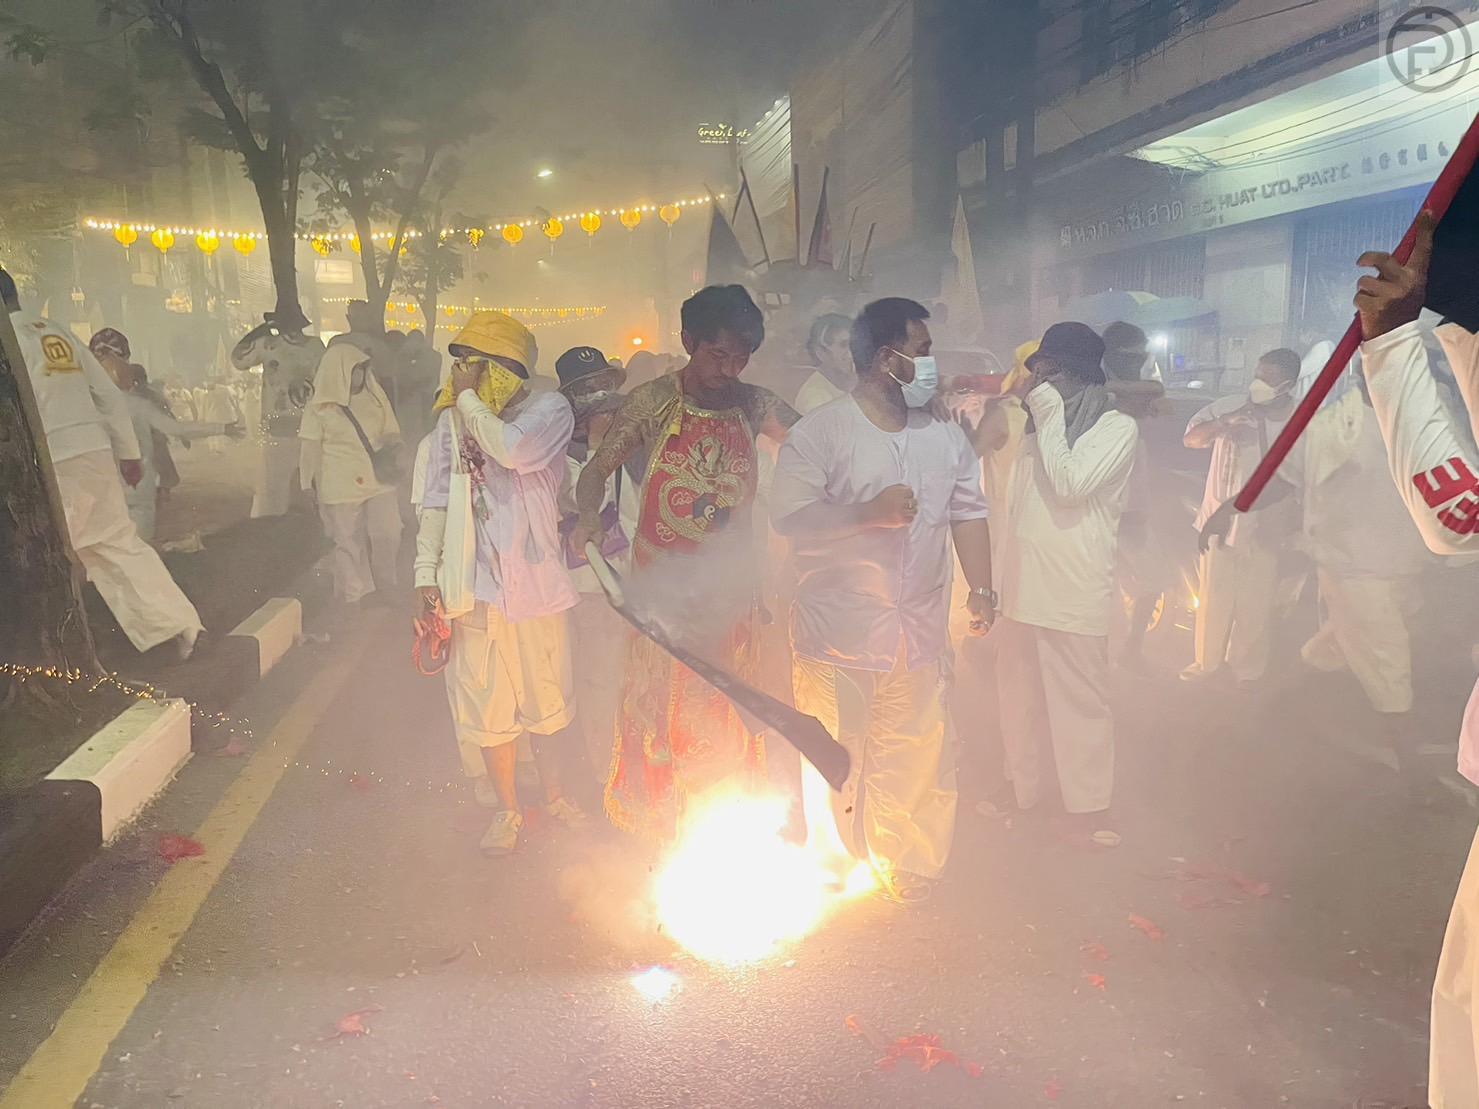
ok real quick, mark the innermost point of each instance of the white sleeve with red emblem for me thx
(1435, 468)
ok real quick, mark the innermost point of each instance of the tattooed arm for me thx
(770, 415)
(635, 428)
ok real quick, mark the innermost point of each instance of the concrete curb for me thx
(276, 627)
(49, 832)
(131, 759)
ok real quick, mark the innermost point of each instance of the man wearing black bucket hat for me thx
(592, 384)
(1068, 491)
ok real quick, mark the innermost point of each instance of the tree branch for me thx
(208, 75)
(412, 198)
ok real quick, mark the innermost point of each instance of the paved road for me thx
(341, 876)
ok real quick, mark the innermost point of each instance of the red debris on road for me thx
(1151, 929)
(173, 848)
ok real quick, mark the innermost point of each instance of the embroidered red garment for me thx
(677, 736)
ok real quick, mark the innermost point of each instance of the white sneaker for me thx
(502, 835)
(567, 812)
(484, 793)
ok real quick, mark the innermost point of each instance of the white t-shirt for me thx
(864, 598)
(1059, 549)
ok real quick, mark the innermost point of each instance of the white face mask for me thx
(1261, 392)
(921, 390)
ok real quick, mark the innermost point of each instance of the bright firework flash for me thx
(655, 983)
(733, 890)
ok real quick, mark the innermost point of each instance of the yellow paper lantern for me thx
(208, 242)
(449, 312)
(321, 246)
(244, 244)
(354, 244)
(630, 218)
(410, 308)
(554, 228)
(126, 236)
(162, 239)
(513, 234)
(669, 214)
(475, 236)
(590, 223)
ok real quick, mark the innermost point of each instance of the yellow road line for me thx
(60, 1069)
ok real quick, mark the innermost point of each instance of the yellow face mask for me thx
(495, 388)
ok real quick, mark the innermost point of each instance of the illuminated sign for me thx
(721, 134)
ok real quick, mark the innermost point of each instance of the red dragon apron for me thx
(675, 735)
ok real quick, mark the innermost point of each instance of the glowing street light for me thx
(545, 172)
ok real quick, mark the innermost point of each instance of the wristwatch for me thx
(990, 595)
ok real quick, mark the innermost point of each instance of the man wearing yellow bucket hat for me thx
(509, 671)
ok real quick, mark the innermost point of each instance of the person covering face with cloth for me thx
(1240, 572)
(348, 421)
(1069, 489)
(592, 384)
(509, 672)
(871, 489)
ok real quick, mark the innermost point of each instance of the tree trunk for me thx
(377, 292)
(282, 247)
(432, 292)
(42, 621)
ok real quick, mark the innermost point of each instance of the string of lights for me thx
(141, 691)
(564, 311)
(163, 233)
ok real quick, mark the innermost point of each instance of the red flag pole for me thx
(1439, 197)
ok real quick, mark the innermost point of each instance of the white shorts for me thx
(506, 678)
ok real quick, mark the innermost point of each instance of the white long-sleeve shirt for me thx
(149, 417)
(81, 409)
(1436, 471)
(1064, 516)
(1233, 461)
(521, 561)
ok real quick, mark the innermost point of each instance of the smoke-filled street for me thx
(795, 553)
(341, 941)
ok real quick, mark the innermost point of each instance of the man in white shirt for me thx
(1236, 597)
(1069, 489)
(87, 423)
(1437, 473)
(870, 488)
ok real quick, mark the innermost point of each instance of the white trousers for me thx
(898, 806)
(277, 468)
(143, 503)
(1054, 701)
(1237, 605)
(1453, 1039)
(367, 539)
(1365, 630)
(144, 599)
